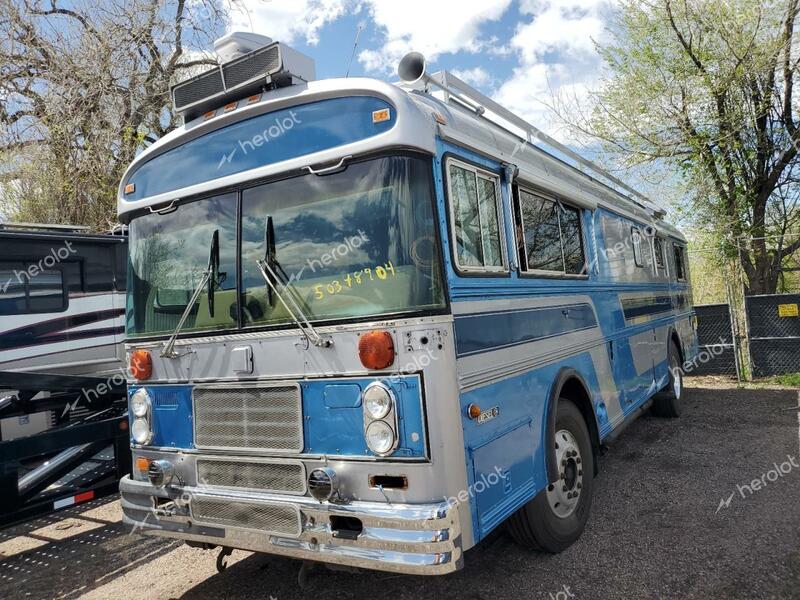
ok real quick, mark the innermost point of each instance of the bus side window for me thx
(680, 262)
(477, 224)
(658, 252)
(636, 242)
(552, 236)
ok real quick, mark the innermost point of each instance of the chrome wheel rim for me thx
(564, 495)
(677, 381)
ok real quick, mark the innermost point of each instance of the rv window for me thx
(476, 221)
(636, 241)
(680, 265)
(552, 236)
(25, 289)
(12, 289)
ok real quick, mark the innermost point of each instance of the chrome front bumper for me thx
(421, 539)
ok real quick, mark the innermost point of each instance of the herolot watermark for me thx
(56, 256)
(771, 476)
(562, 594)
(477, 487)
(280, 126)
(347, 245)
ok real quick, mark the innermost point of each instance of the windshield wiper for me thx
(268, 267)
(168, 351)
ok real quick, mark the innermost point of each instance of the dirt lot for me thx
(660, 528)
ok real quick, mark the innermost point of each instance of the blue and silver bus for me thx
(368, 323)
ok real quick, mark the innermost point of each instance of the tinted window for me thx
(26, 289)
(13, 298)
(552, 236)
(253, 143)
(680, 265)
(476, 221)
(169, 254)
(572, 240)
(658, 250)
(356, 243)
(541, 233)
(73, 277)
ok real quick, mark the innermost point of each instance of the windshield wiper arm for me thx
(302, 323)
(168, 351)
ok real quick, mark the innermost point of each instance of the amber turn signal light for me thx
(474, 411)
(376, 349)
(142, 464)
(141, 365)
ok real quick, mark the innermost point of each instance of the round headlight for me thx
(380, 437)
(377, 401)
(140, 431)
(140, 403)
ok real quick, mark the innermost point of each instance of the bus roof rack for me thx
(412, 71)
(44, 227)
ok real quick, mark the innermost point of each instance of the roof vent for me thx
(250, 63)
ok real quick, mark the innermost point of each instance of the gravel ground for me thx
(657, 529)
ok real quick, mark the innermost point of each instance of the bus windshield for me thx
(357, 243)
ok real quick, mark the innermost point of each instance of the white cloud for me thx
(477, 77)
(431, 27)
(557, 60)
(285, 20)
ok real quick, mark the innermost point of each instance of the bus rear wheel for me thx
(556, 518)
(667, 403)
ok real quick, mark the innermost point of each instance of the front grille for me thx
(261, 418)
(272, 518)
(266, 476)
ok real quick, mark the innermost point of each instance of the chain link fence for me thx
(774, 333)
(743, 335)
(715, 337)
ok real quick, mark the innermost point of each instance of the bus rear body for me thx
(358, 319)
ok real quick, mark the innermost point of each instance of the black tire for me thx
(536, 525)
(667, 403)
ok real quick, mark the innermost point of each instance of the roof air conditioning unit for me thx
(249, 64)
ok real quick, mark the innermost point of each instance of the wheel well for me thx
(675, 338)
(574, 389)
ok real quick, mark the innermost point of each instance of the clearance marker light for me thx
(130, 188)
(230, 106)
(141, 364)
(379, 116)
(209, 115)
(376, 349)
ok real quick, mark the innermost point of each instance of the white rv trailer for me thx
(369, 323)
(62, 306)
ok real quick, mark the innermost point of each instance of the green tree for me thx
(84, 86)
(705, 88)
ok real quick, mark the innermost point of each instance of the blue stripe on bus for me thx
(650, 305)
(484, 332)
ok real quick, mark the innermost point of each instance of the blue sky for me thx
(520, 52)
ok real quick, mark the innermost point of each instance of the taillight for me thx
(376, 349)
(141, 365)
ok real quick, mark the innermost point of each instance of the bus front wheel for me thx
(555, 518)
